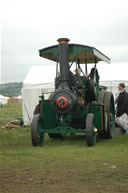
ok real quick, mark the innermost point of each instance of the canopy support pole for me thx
(86, 69)
(95, 62)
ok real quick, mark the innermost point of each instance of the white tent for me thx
(40, 79)
(3, 99)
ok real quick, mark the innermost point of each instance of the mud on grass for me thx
(62, 166)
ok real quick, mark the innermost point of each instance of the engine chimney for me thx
(63, 60)
(63, 99)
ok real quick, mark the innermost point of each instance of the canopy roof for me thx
(85, 54)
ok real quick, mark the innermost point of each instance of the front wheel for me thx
(36, 135)
(90, 133)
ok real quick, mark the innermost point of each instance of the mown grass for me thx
(62, 166)
(10, 112)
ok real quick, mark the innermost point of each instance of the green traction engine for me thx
(78, 104)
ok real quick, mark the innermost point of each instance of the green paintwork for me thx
(83, 52)
(97, 110)
(48, 115)
(49, 123)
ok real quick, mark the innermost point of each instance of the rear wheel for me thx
(90, 133)
(107, 99)
(36, 135)
(110, 114)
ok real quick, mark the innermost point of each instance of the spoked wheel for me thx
(107, 99)
(36, 135)
(110, 115)
(55, 135)
(94, 84)
(90, 133)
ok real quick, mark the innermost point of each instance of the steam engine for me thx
(78, 104)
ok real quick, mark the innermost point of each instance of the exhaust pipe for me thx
(63, 61)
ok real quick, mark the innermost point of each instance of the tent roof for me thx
(40, 76)
(83, 52)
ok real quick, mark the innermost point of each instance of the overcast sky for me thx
(29, 25)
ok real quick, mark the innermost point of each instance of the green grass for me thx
(10, 112)
(61, 166)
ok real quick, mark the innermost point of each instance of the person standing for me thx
(122, 100)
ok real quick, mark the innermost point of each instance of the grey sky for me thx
(28, 26)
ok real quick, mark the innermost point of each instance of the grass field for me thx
(60, 166)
